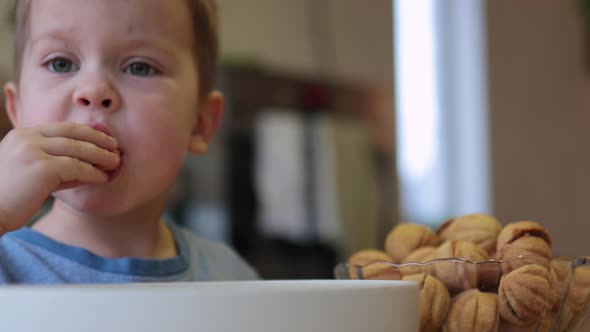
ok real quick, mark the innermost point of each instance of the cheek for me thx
(42, 106)
(161, 132)
(157, 151)
(35, 116)
(167, 114)
(162, 126)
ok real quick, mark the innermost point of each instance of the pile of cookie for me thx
(501, 292)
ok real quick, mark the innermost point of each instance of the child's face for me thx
(128, 65)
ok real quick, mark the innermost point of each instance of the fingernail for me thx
(113, 140)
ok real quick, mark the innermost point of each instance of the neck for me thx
(139, 234)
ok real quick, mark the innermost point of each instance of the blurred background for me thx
(346, 117)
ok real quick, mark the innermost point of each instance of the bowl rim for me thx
(343, 269)
(576, 260)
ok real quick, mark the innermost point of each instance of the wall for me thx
(5, 38)
(340, 38)
(539, 80)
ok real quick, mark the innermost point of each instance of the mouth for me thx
(112, 174)
(101, 127)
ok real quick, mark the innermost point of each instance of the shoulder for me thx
(214, 260)
(15, 256)
(4, 242)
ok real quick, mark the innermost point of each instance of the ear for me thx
(11, 95)
(207, 123)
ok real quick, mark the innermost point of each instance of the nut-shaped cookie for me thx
(434, 301)
(579, 292)
(478, 228)
(548, 324)
(473, 310)
(458, 275)
(518, 229)
(367, 256)
(421, 255)
(524, 295)
(378, 271)
(489, 275)
(559, 276)
(509, 327)
(526, 238)
(569, 319)
(460, 249)
(526, 246)
(407, 237)
(577, 300)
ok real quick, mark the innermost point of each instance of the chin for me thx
(102, 205)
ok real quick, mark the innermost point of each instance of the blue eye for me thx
(62, 65)
(140, 69)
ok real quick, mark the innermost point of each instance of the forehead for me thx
(168, 19)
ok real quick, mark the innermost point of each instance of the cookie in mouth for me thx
(112, 174)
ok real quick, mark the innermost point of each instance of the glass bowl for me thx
(547, 295)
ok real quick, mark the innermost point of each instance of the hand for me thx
(37, 161)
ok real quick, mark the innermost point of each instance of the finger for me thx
(69, 185)
(81, 133)
(88, 152)
(69, 169)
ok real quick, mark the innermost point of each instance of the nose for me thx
(96, 94)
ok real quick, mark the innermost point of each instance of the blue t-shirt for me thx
(29, 257)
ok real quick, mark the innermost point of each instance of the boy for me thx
(109, 96)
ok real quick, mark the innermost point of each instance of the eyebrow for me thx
(160, 46)
(65, 37)
(60, 36)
